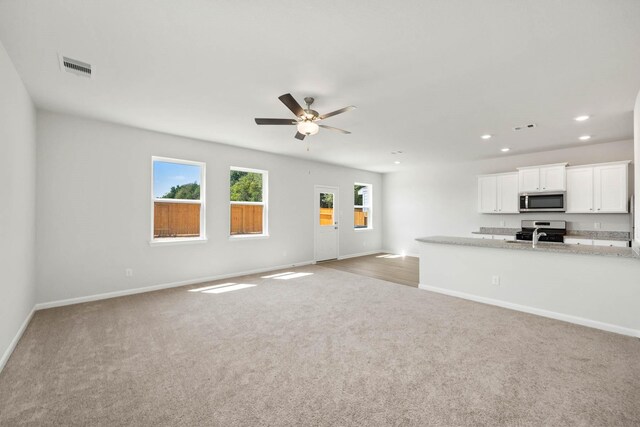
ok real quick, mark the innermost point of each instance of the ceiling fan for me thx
(306, 119)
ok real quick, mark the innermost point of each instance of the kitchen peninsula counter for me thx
(595, 286)
(527, 246)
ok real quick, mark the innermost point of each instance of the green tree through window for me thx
(246, 186)
(186, 191)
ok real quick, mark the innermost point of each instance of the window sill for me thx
(178, 241)
(363, 229)
(238, 237)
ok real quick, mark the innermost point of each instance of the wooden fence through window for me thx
(246, 219)
(176, 219)
(360, 218)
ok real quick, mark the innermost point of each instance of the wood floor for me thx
(389, 267)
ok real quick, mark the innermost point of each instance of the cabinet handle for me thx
(544, 188)
(598, 208)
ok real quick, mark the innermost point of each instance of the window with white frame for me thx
(362, 206)
(248, 198)
(178, 200)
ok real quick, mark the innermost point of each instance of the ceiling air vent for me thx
(76, 67)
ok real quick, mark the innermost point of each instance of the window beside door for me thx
(362, 206)
(248, 202)
(178, 199)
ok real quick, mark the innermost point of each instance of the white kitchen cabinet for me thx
(529, 180)
(612, 243)
(492, 236)
(610, 183)
(578, 241)
(601, 188)
(508, 193)
(533, 179)
(580, 190)
(498, 193)
(553, 178)
(488, 194)
(595, 242)
(502, 237)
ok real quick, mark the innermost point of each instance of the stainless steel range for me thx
(548, 231)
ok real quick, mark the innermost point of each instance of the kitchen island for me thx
(594, 286)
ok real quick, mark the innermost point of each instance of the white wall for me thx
(17, 204)
(636, 136)
(93, 216)
(441, 199)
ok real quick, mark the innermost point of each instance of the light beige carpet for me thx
(330, 348)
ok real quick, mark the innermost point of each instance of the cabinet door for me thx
(552, 178)
(612, 243)
(578, 241)
(487, 194)
(610, 192)
(580, 190)
(529, 180)
(501, 237)
(508, 193)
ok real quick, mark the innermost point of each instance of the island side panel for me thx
(596, 291)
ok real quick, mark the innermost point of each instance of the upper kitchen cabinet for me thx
(611, 186)
(498, 193)
(601, 188)
(533, 179)
(580, 189)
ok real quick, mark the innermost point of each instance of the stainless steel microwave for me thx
(555, 201)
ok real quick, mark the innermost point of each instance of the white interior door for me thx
(326, 222)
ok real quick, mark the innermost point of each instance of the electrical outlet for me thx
(495, 280)
(596, 225)
(128, 272)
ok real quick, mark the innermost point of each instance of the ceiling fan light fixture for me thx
(307, 127)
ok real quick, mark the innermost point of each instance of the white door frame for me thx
(316, 217)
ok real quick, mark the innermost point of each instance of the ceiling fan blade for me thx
(300, 136)
(275, 122)
(336, 129)
(340, 111)
(291, 104)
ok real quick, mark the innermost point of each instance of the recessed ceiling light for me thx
(581, 118)
(486, 136)
(585, 137)
(397, 162)
(505, 149)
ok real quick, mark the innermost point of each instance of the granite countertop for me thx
(578, 234)
(526, 246)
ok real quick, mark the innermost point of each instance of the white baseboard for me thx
(538, 311)
(115, 294)
(14, 341)
(360, 254)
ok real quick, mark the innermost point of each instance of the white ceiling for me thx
(428, 77)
